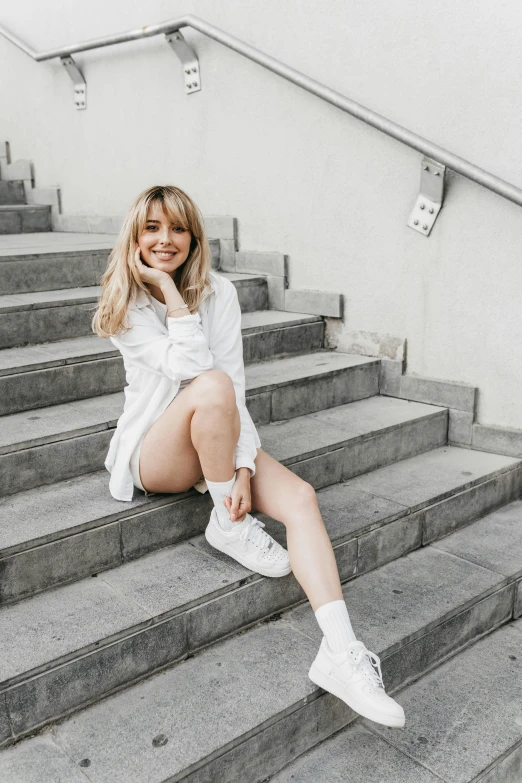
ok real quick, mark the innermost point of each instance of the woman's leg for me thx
(282, 495)
(343, 665)
(196, 435)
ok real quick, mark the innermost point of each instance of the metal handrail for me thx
(390, 128)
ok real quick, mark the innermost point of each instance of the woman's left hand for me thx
(240, 503)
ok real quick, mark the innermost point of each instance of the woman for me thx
(185, 423)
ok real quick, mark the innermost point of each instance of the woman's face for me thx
(163, 245)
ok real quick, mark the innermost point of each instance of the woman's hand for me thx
(150, 275)
(240, 502)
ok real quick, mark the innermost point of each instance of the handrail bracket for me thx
(430, 199)
(189, 60)
(80, 86)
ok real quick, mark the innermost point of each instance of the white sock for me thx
(219, 490)
(334, 622)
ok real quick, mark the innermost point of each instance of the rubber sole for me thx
(216, 543)
(331, 685)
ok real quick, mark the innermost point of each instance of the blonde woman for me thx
(185, 423)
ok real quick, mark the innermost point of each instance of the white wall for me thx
(302, 177)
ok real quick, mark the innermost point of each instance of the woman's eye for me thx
(179, 229)
(151, 227)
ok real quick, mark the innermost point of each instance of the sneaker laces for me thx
(253, 533)
(361, 655)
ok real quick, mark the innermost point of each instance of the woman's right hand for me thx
(150, 275)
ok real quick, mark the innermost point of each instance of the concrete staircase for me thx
(136, 652)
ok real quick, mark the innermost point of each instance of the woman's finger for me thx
(234, 507)
(240, 510)
(228, 504)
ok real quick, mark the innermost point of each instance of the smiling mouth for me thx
(164, 254)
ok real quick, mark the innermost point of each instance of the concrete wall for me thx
(302, 177)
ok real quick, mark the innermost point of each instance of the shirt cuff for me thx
(245, 462)
(183, 324)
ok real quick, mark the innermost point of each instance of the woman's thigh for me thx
(168, 460)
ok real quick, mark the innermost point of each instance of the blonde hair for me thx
(121, 280)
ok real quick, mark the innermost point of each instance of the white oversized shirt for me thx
(158, 357)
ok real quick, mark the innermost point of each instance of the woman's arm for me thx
(183, 352)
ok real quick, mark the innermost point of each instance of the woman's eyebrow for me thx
(159, 221)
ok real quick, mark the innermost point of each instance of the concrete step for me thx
(47, 316)
(464, 725)
(44, 316)
(268, 334)
(244, 707)
(62, 441)
(12, 192)
(49, 261)
(65, 370)
(52, 373)
(24, 218)
(55, 260)
(73, 529)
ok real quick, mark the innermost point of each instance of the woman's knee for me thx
(304, 495)
(214, 388)
(304, 502)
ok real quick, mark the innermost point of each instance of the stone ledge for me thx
(221, 227)
(460, 427)
(450, 394)
(501, 440)
(261, 263)
(379, 344)
(314, 302)
(19, 170)
(459, 398)
(23, 171)
(89, 224)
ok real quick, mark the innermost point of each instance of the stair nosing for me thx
(24, 208)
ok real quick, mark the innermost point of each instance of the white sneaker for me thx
(355, 677)
(249, 545)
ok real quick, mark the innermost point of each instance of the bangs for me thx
(174, 210)
(173, 207)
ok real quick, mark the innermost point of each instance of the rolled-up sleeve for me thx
(182, 353)
(226, 345)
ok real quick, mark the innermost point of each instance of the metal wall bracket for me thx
(431, 197)
(80, 86)
(188, 59)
